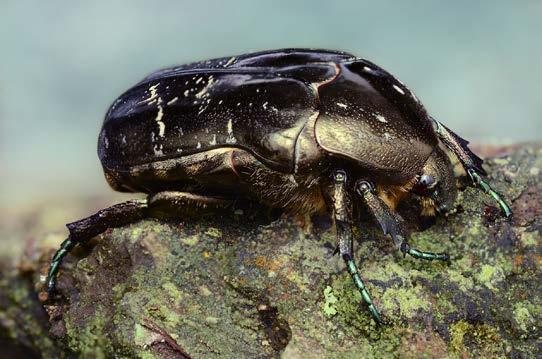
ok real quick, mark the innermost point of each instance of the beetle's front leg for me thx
(470, 162)
(391, 223)
(87, 228)
(343, 220)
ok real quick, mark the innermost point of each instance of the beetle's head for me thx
(435, 186)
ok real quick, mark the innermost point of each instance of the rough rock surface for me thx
(243, 286)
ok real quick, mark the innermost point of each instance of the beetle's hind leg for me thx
(165, 204)
(391, 223)
(342, 213)
(470, 162)
(81, 231)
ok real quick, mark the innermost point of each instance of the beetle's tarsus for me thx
(342, 213)
(64, 249)
(478, 181)
(407, 249)
(356, 277)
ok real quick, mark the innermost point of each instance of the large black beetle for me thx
(305, 130)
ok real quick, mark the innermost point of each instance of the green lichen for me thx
(523, 317)
(88, 340)
(530, 239)
(213, 232)
(329, 302)
(490, 275)
(477, 340)
(405, 301)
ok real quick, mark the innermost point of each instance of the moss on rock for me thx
(241, 285)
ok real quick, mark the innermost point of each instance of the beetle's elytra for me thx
(305, 130)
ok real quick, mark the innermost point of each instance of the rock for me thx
(241, 285)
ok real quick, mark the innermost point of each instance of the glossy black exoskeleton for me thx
(305, 130)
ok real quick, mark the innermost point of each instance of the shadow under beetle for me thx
(304, 130)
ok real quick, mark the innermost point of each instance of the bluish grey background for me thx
(475, 65)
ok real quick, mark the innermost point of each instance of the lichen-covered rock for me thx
(240, 285)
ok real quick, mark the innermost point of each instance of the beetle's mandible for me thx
(305, 130)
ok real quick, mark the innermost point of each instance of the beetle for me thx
(300, 129)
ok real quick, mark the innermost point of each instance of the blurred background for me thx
(475, 65)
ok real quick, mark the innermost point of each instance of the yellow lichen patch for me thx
(213, 232)
(490, 275)
(190, 240)
(405, 300)
(530, 239)
(470, 340)
(271, 265)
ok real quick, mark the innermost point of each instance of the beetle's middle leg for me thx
(343, 218)
(392, 223)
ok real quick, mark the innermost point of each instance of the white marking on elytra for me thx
(340, 104)
(238, 103)
(398, 89)
(199, 80)
(157, 149)
(368, 69)
(205, 91)
(213, 141)
(230, 61)
(220, 102)
(380, 118)
(172, 101)
(198, 146)
(265, 105)
(387, 136)
(153, 94)
(106, 142)
(185, 93)
(229, 128)
(123, 139)
(158, 119)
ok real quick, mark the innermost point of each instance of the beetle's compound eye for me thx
(427, 181)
